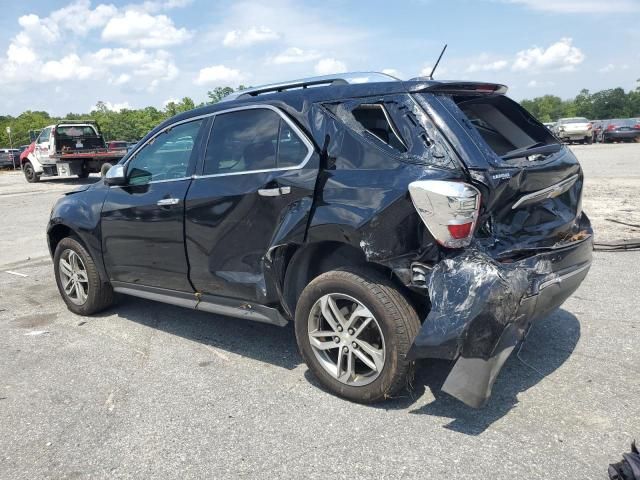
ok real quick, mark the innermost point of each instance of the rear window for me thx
(503, 124)
(565, 121)
(73, 131)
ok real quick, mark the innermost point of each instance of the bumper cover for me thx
(481, 309)
(622, 135)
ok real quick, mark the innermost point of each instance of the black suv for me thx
(389, 220)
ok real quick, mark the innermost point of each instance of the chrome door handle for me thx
(168, 201)
(274, 192)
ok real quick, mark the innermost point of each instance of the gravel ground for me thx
(146, 390)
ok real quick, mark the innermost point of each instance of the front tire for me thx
(30, 172)
(78, 279)
(354, 330)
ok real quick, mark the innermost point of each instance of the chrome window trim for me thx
(549, 192)
(301, 135)
(294, 127)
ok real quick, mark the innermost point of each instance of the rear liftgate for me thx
(516, 245)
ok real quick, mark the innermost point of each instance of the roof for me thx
(332, 88)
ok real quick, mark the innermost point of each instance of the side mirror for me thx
(115, 175)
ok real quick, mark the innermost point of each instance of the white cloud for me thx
(121, 79)
(579, 6)
(426, 71)
(561, 55)
(607, 68)
(157, 68)
(327, 66)
(532, 84)
(20, 55)
(486, 66)
(251, 36)
(295, 55)
(78, 17)
(68, 67)
(139, 29)
(119, 56)
(393, 72)
(218, 75)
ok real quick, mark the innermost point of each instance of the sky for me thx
(64, 56)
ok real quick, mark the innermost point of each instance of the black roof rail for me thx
(326, 80)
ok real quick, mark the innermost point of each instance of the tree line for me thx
(602, 105)
(126, 124)
(133, 124)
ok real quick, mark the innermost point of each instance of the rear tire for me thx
(337, 359)
(30, 172)
(83, 174)
(78, 280)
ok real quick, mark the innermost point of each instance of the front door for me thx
(143, 221)
(255, 188)
(43, 142)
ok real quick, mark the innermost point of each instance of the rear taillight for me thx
(637, 126)
(448, 209)
(611, 127)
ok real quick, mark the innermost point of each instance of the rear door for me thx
(254, 191)
(143, 221)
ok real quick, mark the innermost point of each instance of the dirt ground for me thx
(611, 196)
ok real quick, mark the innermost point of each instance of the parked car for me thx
(389, 220)
(117, 145)
(549, 126)
(65, 149)
(575, 129)
(620, 130)
(9, 157)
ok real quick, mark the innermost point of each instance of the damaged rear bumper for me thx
(481, 309)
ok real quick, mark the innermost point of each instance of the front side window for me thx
(44, 135)
(165, 157)
(252, 140)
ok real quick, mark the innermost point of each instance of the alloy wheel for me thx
(346, 339)
(73, 277)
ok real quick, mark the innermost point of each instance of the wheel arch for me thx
(313, 259)
(59, 231)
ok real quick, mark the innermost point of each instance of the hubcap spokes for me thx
(346, 339)
(73, 276)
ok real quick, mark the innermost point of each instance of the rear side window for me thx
(503, 124)
(398, 126)
(252, 140)
(375, 120)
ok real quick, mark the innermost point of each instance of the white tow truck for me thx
(67, 148)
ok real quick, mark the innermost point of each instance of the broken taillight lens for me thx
(448, 209)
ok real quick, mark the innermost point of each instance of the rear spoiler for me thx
(452, 86)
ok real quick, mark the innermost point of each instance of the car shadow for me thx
(258, 341)
(548, 345)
